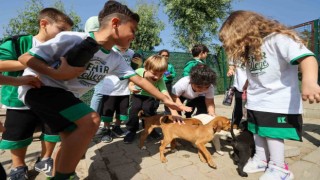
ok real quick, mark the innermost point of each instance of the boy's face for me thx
(125, 33)
(153, 76)
(200, 88)
(54, 28)
(203, 55)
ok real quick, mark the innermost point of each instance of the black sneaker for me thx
(107, 138)
(44, 166)
(117, 131)
(101, 131)
(155, 135)
(19, 173)
(129, 138)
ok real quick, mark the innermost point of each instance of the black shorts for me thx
(111, 104)
(275, 125)
(20, 126)
(57, 107)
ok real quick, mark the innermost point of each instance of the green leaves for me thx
(27, 20)
(195, 21)
(150, 26)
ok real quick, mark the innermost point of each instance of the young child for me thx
(197, 89)
(154, 68)
(57, 101)
(20, 121)
(199, 54)
(169, 75)
(111, 94)
(271, 53)
(115, 99)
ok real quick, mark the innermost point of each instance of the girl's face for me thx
(153, 76)
(199, 88)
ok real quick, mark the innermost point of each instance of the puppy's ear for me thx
(164, 119)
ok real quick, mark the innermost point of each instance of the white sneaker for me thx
(255, 165)
(274, 172)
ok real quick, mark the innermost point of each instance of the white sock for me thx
(276, 149)
(262, 151)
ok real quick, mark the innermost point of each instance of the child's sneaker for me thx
(277, 173)
(107, 138)
(255, 165)
(101, 131)
(44, 166)
(129, 138)
(19, 173)
(117, 131)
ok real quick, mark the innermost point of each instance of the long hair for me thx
(243, 32)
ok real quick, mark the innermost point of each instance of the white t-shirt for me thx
(240, 78)
(112, 85)
(273, 81)
(103, 62)
(183, 88)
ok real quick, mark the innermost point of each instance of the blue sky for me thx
(288, 12)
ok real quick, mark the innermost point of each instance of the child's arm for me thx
(310, 88)
(11, 65)
(210, 106)
(64, 72)
(231, 70)
(146, 85)
(183, 107)
(22, 80)
(133, 88)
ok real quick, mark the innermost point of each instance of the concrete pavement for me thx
(119, 161)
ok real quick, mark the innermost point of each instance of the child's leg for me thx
(262, 152)
(237, 111)
(276, 149)
(72, 148)
(134, 108)
(18, 156)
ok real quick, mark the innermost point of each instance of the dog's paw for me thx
(143, 148)
(242, 173)
(164, 160)
(213, 165)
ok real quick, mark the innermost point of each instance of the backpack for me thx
(15, 42)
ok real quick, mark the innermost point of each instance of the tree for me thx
(195, 21)
(26, 22)
(150, 26)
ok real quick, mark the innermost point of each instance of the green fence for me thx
(310, 33)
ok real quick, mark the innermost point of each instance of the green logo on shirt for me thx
(257, 67)
(282, 120)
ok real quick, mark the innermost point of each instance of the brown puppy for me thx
(154, 121)
(199, 135)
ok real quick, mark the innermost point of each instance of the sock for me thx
(261, 148)
(276, 149)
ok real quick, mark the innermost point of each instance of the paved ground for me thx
(119, 161)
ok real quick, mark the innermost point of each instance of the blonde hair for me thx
(156, 63)
(243, 32)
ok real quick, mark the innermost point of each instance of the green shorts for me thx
(275, 125)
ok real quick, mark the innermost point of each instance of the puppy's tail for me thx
(231, 128)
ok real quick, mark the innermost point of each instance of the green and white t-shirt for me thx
(273, 81)
(112, 85)
(103, 62)
(160, 85)
(183, 88)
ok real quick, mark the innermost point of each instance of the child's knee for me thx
(90, 122)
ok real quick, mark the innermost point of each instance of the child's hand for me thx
(28, 80)
(137, 61)
(133, 88)
(186, 108)
(212, 114)
(172, 105)
(178, 119)
(67, 72)
(311, 92)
